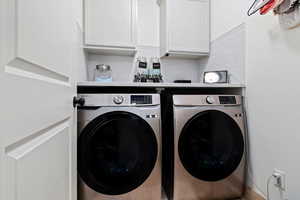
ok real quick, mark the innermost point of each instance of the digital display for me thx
(141, 99)
(227, 100)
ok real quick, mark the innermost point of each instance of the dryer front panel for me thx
(209, 152)
(211, 145)
(117, 152)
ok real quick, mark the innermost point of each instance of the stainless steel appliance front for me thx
(209, 147)
(119, 147)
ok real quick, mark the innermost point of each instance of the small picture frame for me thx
(213, 77)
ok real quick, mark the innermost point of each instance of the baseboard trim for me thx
(252, 195)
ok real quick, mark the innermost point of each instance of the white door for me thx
(110, 23)
(37, 136)
(189, 27)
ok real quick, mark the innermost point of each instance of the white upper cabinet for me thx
(185, 28)
(110, 26)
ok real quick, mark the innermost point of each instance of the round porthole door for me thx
(211, 146)
(116, 153)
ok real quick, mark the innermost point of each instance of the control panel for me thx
(205, 100)
(141, 99)
(227, 100)
(122, 100)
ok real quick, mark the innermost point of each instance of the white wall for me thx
(272, 79)
(228, 53)
(80, 57)
(80, 65)
(121, 66)
(272, 75)
(78, 9)
(273, 93)
(226, 15)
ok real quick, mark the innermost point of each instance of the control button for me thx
(151, 116)
(118, 99)
(210, 100)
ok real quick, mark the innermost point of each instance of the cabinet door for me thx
(38, 130)
(110, 23)
(188, 22)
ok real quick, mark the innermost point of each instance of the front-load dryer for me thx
(209, 156)
(119, 147)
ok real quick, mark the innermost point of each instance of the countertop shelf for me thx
(158, 85)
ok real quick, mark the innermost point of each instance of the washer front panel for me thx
(117, 152)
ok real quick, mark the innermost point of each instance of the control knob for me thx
(210, 100)
(118, 99)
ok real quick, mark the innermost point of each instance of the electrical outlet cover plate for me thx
(282, 175)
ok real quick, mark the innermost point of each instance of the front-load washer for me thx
(209, 156)
(119, 147)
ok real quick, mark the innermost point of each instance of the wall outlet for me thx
(280, 177)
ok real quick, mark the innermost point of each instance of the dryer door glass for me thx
(211, 146)
(116, 153)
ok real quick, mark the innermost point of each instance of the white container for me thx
(142, 66)
(103, 73)
(155, 68)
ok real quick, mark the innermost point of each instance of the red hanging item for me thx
(269, 6)
(264, 10)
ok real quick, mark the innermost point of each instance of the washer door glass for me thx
(116, 153)
(211, 146)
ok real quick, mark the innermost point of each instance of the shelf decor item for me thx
(103, 73)
(215, 77)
